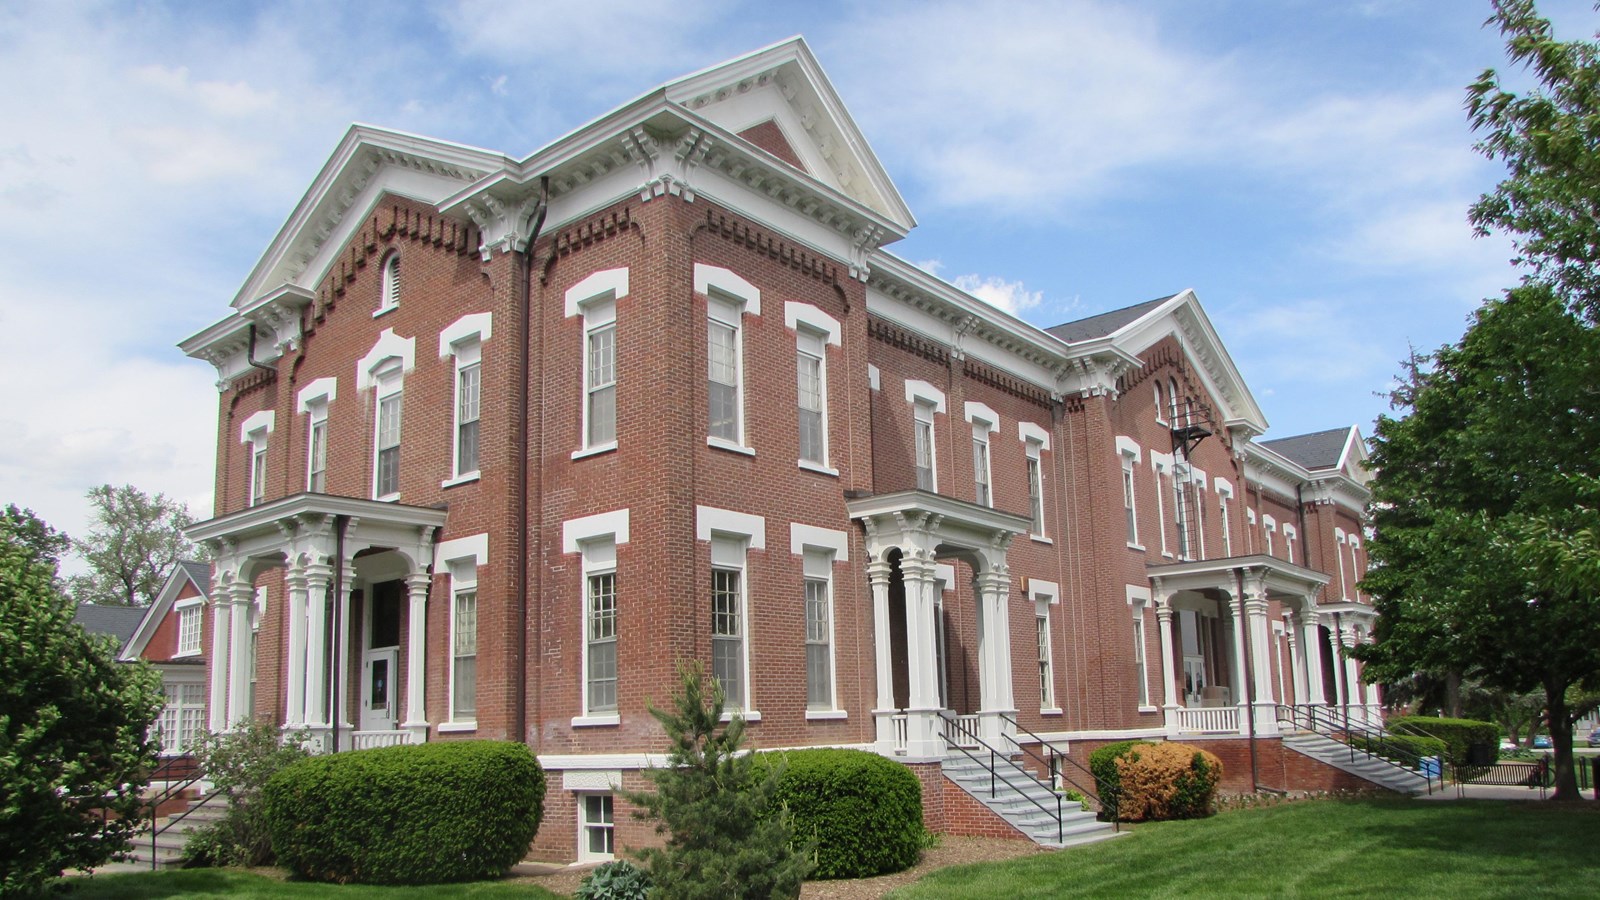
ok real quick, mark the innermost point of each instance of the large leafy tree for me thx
(74, 751)
(725, 838)
(44, 542)
(1486, 554)
(1549, 140)
(133, 543)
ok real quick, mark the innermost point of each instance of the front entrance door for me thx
(380, 658)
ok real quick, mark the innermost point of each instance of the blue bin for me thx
(1430, 766)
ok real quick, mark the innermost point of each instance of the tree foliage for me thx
(1485, 505)
(240, 763)
(74, 751)
(27, 529)
(132, 545)
(724, 838)
(1549, 140)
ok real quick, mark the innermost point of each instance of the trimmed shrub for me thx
(615, 880)
(420, 814)
(240, 763)
(1103, 766)
(1167, 781)
(1457, 734)
(862, 810)
(1406, 749)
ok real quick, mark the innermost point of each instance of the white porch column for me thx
(923, 725)
(1240, 691)
(416, 714)
(1296, 669)
(342, 652)
(1306, 619)
(221, 613)
(294, 710)
(883, 713)
(241, 594)
(1266, 707)
(1334, 642)
(996, 696)
(1352, 674)
(1169, 673)
(319, 576)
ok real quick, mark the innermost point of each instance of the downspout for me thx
(534, 223)
(250, 353)
(338, 591)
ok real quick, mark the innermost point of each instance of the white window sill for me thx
(1040, 539)
(448, 727)
(388, 498)
(596, 450)
(468, 478)
(596, 721)
(1138, 547)
(730, 446)
(185, 654)
(749, 715)
(1051, 711)
(385, 310)
(826, 715)
(819, 468)
(1166, 554)
(1149, 709)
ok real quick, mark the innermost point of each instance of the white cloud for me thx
(1008, 296)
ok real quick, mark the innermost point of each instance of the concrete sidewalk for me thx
(1490, 792)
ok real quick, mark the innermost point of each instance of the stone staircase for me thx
(169, 844)
(1014, 806)
(1330, 752)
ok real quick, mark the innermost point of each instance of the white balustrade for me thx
(1208, 719)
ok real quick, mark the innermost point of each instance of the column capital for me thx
(1164, 612)
(879, 571)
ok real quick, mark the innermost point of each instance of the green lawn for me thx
(1358, 848)
(175, 884)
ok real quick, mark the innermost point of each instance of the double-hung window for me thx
(254, 432)
(386, 461)
(1288, 543)
(724, 370)
(600, 626)
(189, 618)
(258, 469)
(463, 556)
(317, 452)
(599, 840)
(727, 622)
(600, 374)
(1035, 490)
(922, 434)
(1128, 507)
(1180, 514)
(1041, 621)
(811, 377)
(1223, 500)
(1140, 677)
(984, 422)
(469, 385)
(819, 629)
(1269, 527)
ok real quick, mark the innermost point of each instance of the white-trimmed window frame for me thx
(1354, 544)
(984, 422)
(384, 369)
(1045, 594)
(191, 615)
(461, 559)
(1249, 530)
(595, 298)
(588, 827)
(1269, 527)
(820, 549)
(1161, 403)
(1139, 602)
(1128, 454)
(815, 331)
(1035, 441)
(462, 341)
(599, 569)
(597, 540)
(927, 402)
(390, 387)
(314, 401)
(1289, 534)
(1224, 501)
(729, 298)
(255, 432)
(1160, 468)
(732, 535)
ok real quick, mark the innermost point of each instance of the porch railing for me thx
(1062, 768)
(1378, 746)
(180, 774)
(367, 740)
(1002, 769)
(900, 738)
(957, 728)
(1208, 719)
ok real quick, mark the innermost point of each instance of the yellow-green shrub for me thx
(1167, 781)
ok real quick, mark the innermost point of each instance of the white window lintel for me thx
(917, 390)
(796, 314)
(1128, 447)
(708, 278)
(1027, 432)
(981, 412)
(804, 536)
(613, 524)
(464, 329)
(320, 391)
(611, 283)
(258, 423)
(710, 521)
(388, 346)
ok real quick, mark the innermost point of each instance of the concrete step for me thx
(1020, 802)
(1336, 754)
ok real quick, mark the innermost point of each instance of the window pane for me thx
(388, 445)
(727, 642)
(980, 469)
(922, 434)
(1036, 495)
(319, 456)
(811, 436)
(722, 371)
(601, 626)
(465, 668)
(819, 637)
(724, 411)
(602, 416)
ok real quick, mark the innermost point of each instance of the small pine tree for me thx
(725, 839)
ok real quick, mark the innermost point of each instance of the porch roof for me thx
(1279, 578)
(951, 521)
(266, 517)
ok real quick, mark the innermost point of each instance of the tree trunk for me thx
(1452, 694)
(1561, 742)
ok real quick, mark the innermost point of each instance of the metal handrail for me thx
(1314, 715)
(992, 769)
(1056, 757)
(172, 790)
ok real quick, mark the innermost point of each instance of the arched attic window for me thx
(389, 290)
(1173, 402)
(1161, 403)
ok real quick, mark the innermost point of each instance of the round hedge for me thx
(864, 811)
(421, 814)
(1457, 734)
(1103, 766)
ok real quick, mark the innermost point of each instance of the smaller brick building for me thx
(504, 441)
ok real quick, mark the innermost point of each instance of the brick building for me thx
(502, 441)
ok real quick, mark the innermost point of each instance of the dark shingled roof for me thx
(200, 572)
(117, 621)
(1104, 323)
(1318, 450)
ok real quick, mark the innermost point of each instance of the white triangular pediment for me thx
(783, 85)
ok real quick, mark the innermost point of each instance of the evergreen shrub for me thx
(418, 814)
(1457, 734)
(1406, 749)
(1167, 781)
(863, 811)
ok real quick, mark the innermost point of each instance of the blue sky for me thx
(1304, 166)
